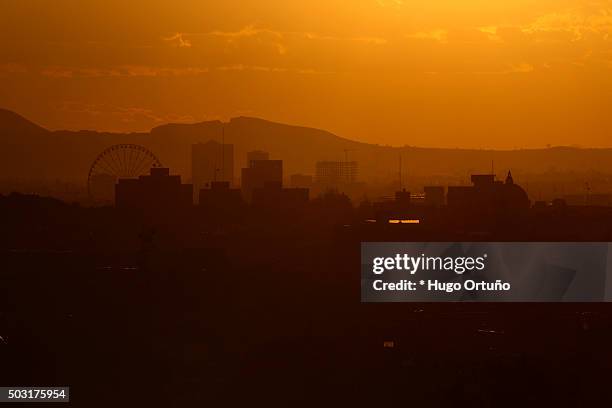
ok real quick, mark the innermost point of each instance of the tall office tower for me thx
(211, 161)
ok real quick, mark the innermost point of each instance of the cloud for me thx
(247, 31)
(390, 3)
(365, 40)
(57, 72)
(151, 71)
(568, 25)
(11, 68)
(572, 37)
(438, 35)
(241, 67)
(124, 114)
(521, 68)
(491, 32)
(279, 40)
(178, 40)
(275, 38)
(577, 21)
(121, 71)
(252, 31)
(259, 68)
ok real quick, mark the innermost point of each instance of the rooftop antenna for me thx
(588, 193)
(346, 152)
(223, 152)
(400, 172)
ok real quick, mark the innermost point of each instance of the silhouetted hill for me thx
(28, 151)
(299, 147)
(12, 123)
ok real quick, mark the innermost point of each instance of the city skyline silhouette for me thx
(35, 159)
(323, 203)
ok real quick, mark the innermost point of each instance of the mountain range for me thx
(28, 151)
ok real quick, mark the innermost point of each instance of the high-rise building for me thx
(334, 173)
(257, 155)
(260, 174)
(211, 161)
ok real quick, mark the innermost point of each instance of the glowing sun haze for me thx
(457, 73)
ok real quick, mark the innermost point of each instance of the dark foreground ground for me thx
(220, 334)
(268, 315)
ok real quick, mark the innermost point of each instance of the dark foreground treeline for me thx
(264, 307)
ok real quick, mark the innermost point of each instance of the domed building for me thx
(488, 194)
(512, 195)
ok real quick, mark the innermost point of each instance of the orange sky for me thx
(457, 73)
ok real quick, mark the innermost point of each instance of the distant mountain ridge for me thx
(28, 151)
(11, 121)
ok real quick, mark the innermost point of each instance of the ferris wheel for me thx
(115, 162)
